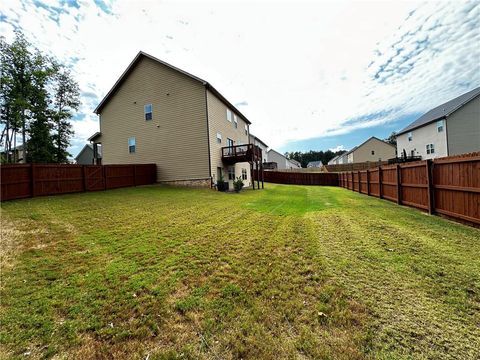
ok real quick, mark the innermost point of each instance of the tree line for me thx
(38, 97)
(305, 157)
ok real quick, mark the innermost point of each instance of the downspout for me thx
(208, 139)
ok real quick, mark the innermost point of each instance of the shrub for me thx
(238, 184)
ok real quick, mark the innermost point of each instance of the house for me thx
(157, 113)
(315, 164)
(449, 129)
(373, 149)
(14, 156)
(282, 162)
(334, 161)
(264, 147)
(86, 156)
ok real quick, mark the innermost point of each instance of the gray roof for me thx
(141, 55)
(87, 146)
(442, 111)
(315, 163)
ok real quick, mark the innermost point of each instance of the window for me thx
(219, 138)
(229, 142)
(410, 136)
(440, 125)
(244, 174)
(430, 149)
(235, 121)
(148, 110)
(246, 130)
(373, 152)
(229, 115)
(231, 173)
(131, 145)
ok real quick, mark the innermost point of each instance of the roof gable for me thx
(442, 111)
(134, 63)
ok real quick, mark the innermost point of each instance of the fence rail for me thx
(299, 178)
(448, 186)
(29, 180)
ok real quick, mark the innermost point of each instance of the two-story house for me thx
(372, 150)
(449, 129)
(157, 113)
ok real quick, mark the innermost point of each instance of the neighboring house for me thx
(256, 141)
(334, 161)
(157, 113)
(16, 154)
(86, 156)
(282, 162)
(371, 150)
(449, 129)
(315, 164)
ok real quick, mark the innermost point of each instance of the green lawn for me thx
(290, 272)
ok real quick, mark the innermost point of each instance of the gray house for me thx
(85, 156)
(315, 164)
(449, 129)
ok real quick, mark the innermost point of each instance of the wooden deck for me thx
(241, 153)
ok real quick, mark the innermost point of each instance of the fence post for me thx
(32, 180)
(84, 179)
(368, 182)
(399, 184)
(428, 169)
(380, 179)
(359, 183)
(104, 177)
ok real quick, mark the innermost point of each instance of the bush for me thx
(238, 184)
(222, 185)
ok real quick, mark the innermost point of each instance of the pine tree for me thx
(66, 99)
(40, 148)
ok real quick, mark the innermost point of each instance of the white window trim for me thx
(132, 143)
(229, 115)
(219, 137)
(440, 125)
(410, 136)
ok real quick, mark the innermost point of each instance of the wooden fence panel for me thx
(457, 188)
(94, 179)
(56, 179)
(389, 182)
(374, 187)
(28, 180)
(414, 185)
(16, 181)
(355, 181)
(363, 182)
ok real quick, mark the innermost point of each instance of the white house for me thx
(282, 162)
(449, 129)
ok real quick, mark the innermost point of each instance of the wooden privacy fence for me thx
(299, 178)
(29, 180)
(448, 186)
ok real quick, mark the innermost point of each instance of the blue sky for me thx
(309, 75)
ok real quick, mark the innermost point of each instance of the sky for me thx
(308, 75)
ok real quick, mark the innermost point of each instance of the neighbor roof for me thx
(259, 140)
(315, 163)
(83, 149)
(442, 111)
(141, 55)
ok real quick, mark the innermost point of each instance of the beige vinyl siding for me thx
(463, 129)
(363, 153)
(218, 123)
(175, 139)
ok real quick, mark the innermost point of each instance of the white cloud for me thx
(300, 70)
(338, 148)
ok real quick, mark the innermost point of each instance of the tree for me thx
(392, 139)
(40, 147)
(305, 158)
(66, 99)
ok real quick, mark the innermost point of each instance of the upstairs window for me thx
(440, 125)
(148, 110)
(410, 136)
(229, 115)
(430, 149)
(246, 129)
(219, 138)
(235, 121)
(373, 152)
(131, 145)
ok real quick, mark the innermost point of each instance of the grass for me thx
(287, 272)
